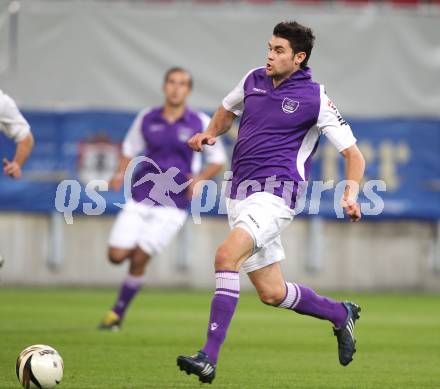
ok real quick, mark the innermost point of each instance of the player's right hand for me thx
(116, 182)
(11, 169)
(352, 209)
(200, 139)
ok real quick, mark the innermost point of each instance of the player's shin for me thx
(223, 307)
(305, 301)
(129, 289)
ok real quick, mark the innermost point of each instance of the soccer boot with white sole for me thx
(111, 322)
(345, 334)
(198, 364)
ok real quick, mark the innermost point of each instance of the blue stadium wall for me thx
(402, 152)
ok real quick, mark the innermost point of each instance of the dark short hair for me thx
(176, 69)
(300, 37)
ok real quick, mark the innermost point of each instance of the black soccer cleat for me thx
(198, 364)
(345, 334)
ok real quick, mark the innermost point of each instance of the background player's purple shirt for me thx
(166, 144)
(279, 130)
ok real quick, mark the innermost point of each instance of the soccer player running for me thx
(283, 113)
(161, 190)
(15, 126)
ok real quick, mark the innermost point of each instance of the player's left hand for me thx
(192, 189)
(116, 182)
(12, 169)
(352, 209)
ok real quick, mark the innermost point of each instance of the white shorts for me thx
(150, 228)
(264, 216)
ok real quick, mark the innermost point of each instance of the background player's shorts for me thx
(150, 228)
(264, 216)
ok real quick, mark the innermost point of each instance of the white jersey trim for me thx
(134, 142)
(306, 148)
(213, 154)
(233, 102)
(332, 124)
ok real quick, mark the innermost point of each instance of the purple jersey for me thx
(166, 144)
(279, 131)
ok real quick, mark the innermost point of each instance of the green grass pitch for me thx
(398, 341)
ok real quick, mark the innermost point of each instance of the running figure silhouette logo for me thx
(164, 183)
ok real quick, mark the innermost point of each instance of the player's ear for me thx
(299, 57)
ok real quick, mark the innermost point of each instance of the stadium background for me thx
(80, 70)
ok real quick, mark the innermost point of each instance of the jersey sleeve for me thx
(332, 124)
(12, 122)
(134, 142)
(234, 100)
(215, 153)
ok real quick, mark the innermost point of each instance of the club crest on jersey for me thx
(289, 105)
(184, 133)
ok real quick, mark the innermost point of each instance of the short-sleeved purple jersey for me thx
(166, 144)
(279, 130)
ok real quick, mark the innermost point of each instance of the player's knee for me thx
(138, 263)
(224, 259)
(117, 256)
(272, 297)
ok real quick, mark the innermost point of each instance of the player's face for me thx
(177, 88)
(280, 58)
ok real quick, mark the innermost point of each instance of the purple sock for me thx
(306, 302)
(129, 288)
(223, 305)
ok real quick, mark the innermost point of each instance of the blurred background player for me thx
(15, 126)
(148, 222)
(283, 114)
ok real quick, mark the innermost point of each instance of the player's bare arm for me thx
(220, 123)
(117, 180)
(211, 170)
(354, 172)
(23, 150)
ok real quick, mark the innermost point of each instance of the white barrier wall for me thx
(364, 256)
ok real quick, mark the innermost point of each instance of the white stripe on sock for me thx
(236, 295)
(227, 275)
(298, 296)
(291, 296)
(223, 283)
(229, 281)
(134, 281)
